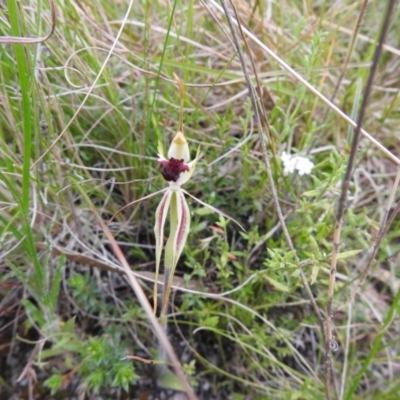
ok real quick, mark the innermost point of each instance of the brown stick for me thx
(331, 344)
(385, 225)
(253, 97)
(348, 56)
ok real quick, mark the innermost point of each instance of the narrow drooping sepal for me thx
(214, 209)
(161, 215)
(180, 226)
(137, 201)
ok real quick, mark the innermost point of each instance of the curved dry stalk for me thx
(385, 225)
(24, 40)
(296, 75)
(92, 86)
(253, 97)
(159, 331)
(349, 53)
(330, 344)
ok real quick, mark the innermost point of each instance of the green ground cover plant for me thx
(299, 304)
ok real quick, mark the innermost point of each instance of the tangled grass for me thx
(82, 113)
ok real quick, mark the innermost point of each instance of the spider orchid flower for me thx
(176, 169)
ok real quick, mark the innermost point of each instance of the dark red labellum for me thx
(171, 170)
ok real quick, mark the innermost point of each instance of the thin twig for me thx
(92, 86)
(23, 40)
(159, 331)
(346, 352)
(253, 97)
(302, 80)
(331, 343)
(349, 53)
(385, 225)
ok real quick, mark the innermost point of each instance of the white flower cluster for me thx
(292, 162)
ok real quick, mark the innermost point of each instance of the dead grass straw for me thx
(331, 344)
(255, 105)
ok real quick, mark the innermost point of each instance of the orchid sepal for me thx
(132, 203)
(179, 148)
(161, 215)
(180, 227)
(219, 212)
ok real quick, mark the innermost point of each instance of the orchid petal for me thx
(161, 215)
(160, 149)
(180, 226)
(185, 176)
(214, 209)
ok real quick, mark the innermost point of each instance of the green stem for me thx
(161, 65)
(24, 78)
(24, 83)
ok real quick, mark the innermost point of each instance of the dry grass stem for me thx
(334, 108)
(158, 329)
(385, 225)
(92, 86)
(253, 97)
(25, 40)
(349, 53)
(331, 344)
(86, 106)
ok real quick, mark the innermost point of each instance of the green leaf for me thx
(314, 273)
(55, 286)
(314, 247)
(170, 381)
(190, 369)
(34, 312)
(203, 211)
(124, 376)
(211, 321)
(312, 193)
(277, 285)
(96, 379)
(54, 383)
(348, 254)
